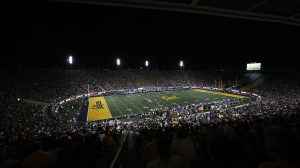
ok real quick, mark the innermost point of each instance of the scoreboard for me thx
(253, 66)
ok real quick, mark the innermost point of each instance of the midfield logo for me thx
(170, 97)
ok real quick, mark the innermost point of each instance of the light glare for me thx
(70, 59)
(118, 62)
(181, 64)
(146, 63)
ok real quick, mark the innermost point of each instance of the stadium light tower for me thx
(181, 64)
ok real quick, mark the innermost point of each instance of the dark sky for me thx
(44, 34)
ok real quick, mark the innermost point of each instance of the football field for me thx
(119, 105)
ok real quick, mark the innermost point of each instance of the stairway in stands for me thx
(132, 159)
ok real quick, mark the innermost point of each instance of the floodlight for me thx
(181, 63)
(146, 63)
(70, 60)
(118, 62)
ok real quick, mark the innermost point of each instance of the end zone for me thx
(98, 109)
(219, 93)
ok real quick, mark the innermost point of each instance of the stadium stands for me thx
(229, 138)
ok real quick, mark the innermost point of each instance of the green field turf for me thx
(120, 105)
(134, 103)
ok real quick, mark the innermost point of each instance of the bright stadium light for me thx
(181, 63)
(70, 60)
(146, 63)
(118, 62)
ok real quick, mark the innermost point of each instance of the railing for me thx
(120, 156)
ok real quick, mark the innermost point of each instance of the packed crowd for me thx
(231, 137)
(29, 138)
(263, 133)
(53, 86)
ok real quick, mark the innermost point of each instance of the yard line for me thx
(130, 103)
(118, 98)
(193, 94)
(115, 105)
(139, 103)
(149, 104)
(136, 106)
(162, 101)
(177, 101)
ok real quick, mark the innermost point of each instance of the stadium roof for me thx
(278, 11)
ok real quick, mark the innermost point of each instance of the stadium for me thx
(136, 90)
(129, 103)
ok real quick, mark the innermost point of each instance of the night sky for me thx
(44, 34)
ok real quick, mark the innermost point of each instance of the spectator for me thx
(36, 159)
(184, 147)
(283, 147)
(165, 159)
